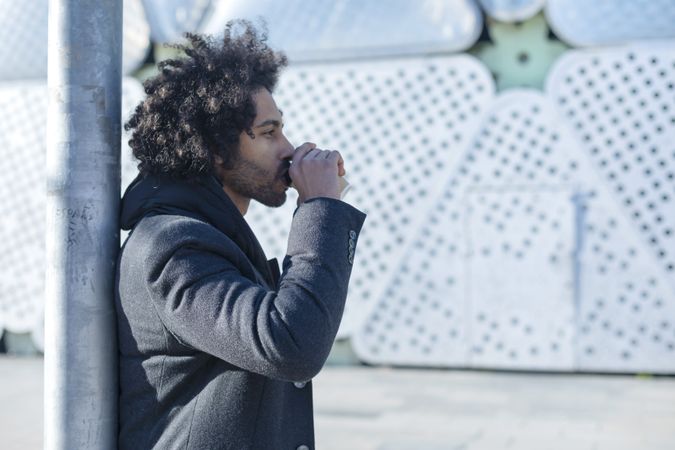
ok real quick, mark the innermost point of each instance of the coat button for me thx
(302, 447)
(299, 384)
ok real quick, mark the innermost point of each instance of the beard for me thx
(252, 181)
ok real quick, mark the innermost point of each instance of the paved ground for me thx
(20, 403)
(360, 408)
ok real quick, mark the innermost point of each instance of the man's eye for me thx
(269, 133)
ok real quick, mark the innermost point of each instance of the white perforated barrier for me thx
(621, 105)
(23, 38)
(23, 113)
(135, 35)
(464, 292)
(603, 22)
(132, 95)
(520, 277)
(169, 19)
(23, 116)
(400, 126)
(512, 10)
(327, 29)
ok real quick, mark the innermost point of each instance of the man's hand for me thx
(315, 172)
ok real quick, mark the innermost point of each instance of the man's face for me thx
(260, 169)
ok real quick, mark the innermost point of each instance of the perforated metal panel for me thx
(23, 38)
(169, 19)
(136, 36)
(512, 10)
(602, 22)
(520, 277)
(23, 116)
(23, 109)
(400, 125)
(621, 105)
(428, 314)
(132, 95)
(328, 29)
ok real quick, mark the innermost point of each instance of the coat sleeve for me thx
(203, 299)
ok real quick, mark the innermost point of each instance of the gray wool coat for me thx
(217, 349)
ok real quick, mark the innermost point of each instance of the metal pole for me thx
(83, 186)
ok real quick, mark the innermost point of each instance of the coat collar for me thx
(202, 199)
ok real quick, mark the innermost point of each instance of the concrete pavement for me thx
(393, 409)
(20, 403)
(362, 408)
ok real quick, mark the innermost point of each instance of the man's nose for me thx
(287, 150)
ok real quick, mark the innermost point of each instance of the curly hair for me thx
(197, 106)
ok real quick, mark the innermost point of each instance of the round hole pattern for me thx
(132, 95)
(168, 20)
(399, 125)
(23, 29)
(523, 144)
(23, 113)
(621, 104)
(519, 270)
(579, 22)
(135, 36)
(22, 170)
(23, 33)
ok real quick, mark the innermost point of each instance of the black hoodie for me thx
(202, 199)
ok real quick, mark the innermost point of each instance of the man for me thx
(217, 349)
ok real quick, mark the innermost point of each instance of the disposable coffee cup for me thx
(344, 187)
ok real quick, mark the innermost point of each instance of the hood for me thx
(202, 199)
